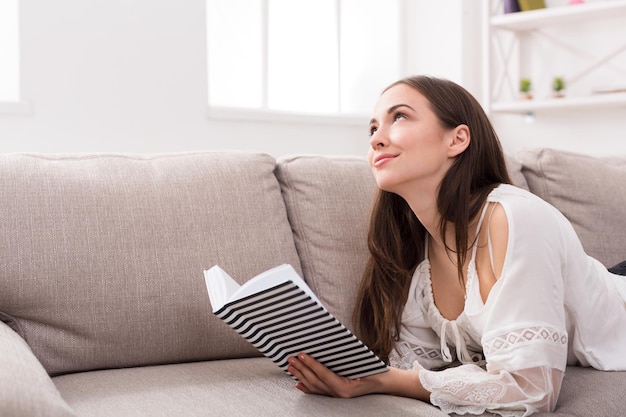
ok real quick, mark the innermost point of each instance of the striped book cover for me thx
(284, 318)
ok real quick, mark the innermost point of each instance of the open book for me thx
(279, 314)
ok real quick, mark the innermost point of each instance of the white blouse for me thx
(552, 306)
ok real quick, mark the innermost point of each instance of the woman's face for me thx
(408, 146)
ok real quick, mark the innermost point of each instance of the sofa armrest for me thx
(27, 390)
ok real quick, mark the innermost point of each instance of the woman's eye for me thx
(399, 116)
(372, 130)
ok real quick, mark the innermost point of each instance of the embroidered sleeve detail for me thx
(405, 355)
(468, 389)
(527, 335)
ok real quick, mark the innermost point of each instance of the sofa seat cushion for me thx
(238, 387)
(589, 191)
(587, 392)
(256, 387)
(102, 255)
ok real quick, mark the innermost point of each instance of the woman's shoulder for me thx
(526, 209)
(516, 198)
(509, 192)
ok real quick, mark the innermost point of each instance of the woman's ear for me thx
(460, 140)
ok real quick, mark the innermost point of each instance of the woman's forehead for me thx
(399, 94)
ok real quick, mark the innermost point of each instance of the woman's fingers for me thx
(316, 378)
(310, 381)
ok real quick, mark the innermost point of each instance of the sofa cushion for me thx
(240, 387)
(256, 387)
(587, 392)
(27, 390)
(328, 203)
(589, 191)
(103, 254)
(515, 172)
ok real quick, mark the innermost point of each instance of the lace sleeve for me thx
(469, 389)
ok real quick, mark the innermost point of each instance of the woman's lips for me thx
(382, 159)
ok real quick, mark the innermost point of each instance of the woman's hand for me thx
(315, 378)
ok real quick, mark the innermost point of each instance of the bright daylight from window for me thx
(9, 52)
(317, 57)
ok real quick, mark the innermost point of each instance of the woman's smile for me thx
(382, 159)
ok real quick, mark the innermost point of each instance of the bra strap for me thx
(480, 222)
(489, 246)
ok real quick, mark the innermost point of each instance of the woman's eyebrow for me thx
(395, 107)
(392, 109)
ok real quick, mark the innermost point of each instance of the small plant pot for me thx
(525, 87)
(558, 87)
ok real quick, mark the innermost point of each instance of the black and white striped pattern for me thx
(283, 321)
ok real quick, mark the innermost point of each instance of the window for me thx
(315, 57)
(9, 52)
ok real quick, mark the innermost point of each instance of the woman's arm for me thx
(315, 378)
(464, 389)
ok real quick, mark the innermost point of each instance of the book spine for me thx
(526, 5)
(511, 6)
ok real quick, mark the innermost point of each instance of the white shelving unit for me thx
(501, 60)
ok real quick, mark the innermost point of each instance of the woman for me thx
(476, 292)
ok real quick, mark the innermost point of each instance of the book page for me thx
(271, 278)
(220, 286)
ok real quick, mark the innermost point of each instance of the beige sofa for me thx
(103, 306)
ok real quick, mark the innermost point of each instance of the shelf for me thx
(533, 19)
(535, 105)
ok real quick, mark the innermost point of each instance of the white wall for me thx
(130, 76)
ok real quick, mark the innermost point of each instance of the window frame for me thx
(265, 114)
(17, 106)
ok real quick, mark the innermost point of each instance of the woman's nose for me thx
(378, 140)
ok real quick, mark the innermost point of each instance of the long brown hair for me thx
(396, 237)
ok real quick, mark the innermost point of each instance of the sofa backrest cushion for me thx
(102, 255)
(515, 172)
(589, 191)
(328, 202)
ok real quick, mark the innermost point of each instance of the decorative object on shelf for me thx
(526, 5)
(511, 6)
(525, 87)
(572, 2)
(511, 54)
(558, 85)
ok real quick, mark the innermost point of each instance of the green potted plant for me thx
(558, 85)
(525, 87)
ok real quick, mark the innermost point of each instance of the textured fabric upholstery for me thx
(102, 272)
(589, 191)
(328, 202)
(103, 254)
(242, 387)
(587, 392)
(515, 172)
(32, 392)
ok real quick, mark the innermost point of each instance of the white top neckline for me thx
(458, 332)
